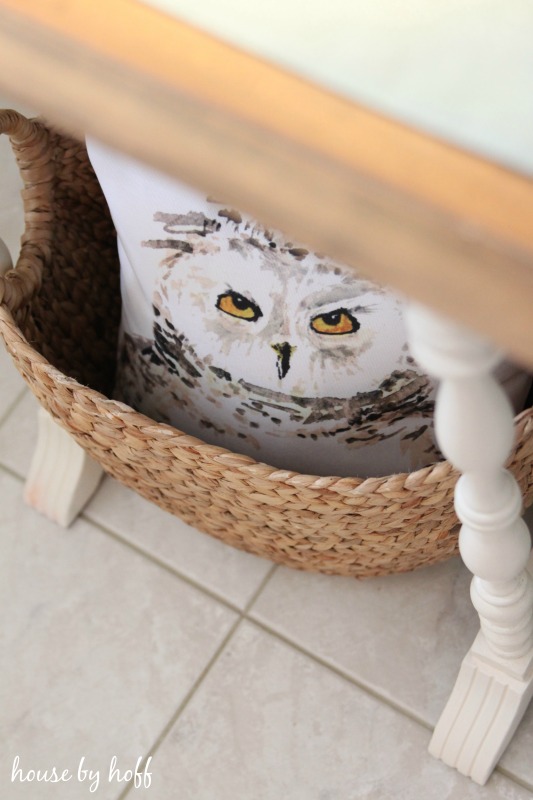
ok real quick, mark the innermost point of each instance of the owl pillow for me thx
(236, 334)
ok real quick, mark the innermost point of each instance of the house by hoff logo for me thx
(90, 777)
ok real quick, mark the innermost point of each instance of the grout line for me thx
(201, 678)
(341, 673)
(253, 599)
(213, 594)
(16, 475)
(510, 776)
(185, 702)
(163, 564)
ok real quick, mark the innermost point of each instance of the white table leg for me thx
(62, 476)
(474, 427)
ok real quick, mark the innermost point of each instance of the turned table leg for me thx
(474, 428)
(62, 477)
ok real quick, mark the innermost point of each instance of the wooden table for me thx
(412, 211)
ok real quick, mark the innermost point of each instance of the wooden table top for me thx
(436, 222)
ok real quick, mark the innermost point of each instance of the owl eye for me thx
(236, 305)
(335, 323)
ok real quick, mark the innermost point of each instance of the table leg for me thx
(474, 428)
(62, 477)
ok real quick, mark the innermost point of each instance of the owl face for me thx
(285, 320)
(274, 351)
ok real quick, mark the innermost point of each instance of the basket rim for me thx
(16, 342)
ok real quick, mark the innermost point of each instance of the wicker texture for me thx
(345, 526)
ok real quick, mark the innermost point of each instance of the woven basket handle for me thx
(31, 144)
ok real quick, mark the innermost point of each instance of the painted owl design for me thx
(271, 350)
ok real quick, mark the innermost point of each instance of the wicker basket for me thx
(59, 315)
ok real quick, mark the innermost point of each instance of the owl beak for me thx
(284, 352)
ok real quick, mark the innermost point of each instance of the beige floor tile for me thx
(229, 572)
(402, 636)
(222, 569)
(517, 759)
(268, 723)
(11, 383)
(99, 646)
(18, 435)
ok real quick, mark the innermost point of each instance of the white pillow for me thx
(244, 338)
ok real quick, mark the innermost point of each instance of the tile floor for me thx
(131, 636)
